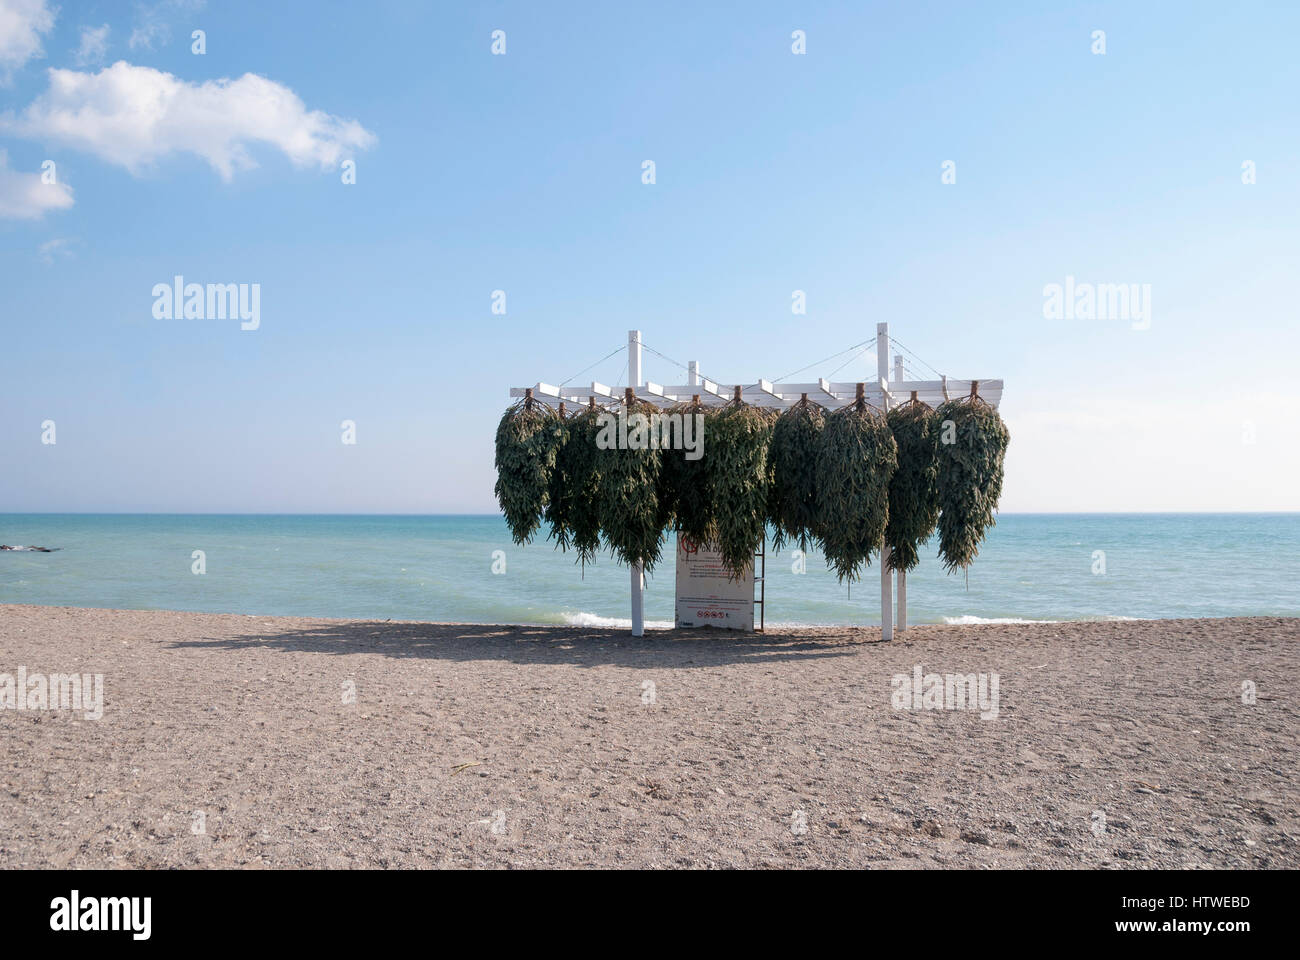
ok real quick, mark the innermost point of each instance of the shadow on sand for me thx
(553, 645)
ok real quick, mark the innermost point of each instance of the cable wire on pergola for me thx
(884, 392)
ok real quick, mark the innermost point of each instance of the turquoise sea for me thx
(1033, 567)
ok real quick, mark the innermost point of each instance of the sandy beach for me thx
(232, 741)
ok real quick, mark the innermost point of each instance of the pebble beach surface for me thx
(238, 741)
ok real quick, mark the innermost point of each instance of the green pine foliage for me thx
(792, 506)
(970, 476)
(574, 490)
(856, 458)
(686, 483)
(843, 479)
(736, 449)
(528, 436)
(913, 491)
(630, 515)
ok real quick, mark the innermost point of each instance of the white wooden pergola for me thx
(883, 393)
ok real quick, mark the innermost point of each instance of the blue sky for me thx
(775, 172)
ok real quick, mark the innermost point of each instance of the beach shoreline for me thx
(312, 742)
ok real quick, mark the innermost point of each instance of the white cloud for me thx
(21, 24)
(59, 246)
(23, 196)
(94, 46)
(143, 37)
(152, 21)
(133, 116)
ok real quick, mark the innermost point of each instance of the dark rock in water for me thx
(5, 546)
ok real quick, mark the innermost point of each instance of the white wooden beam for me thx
(902, 601)
(637, 573)
(886, 584)
(782, 395)
(901, 576)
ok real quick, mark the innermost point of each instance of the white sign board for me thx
(706, 597)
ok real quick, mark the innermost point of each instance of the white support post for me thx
(902, 574)
(638, 574)
(693, 372)
(886, 584)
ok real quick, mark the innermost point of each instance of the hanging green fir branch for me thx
(738, 480)
(793, 501)
(686, 482)
(856, 458)
(574, 490)
(913, 493)
(527, 439)
(972, 448)
(629, 467)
